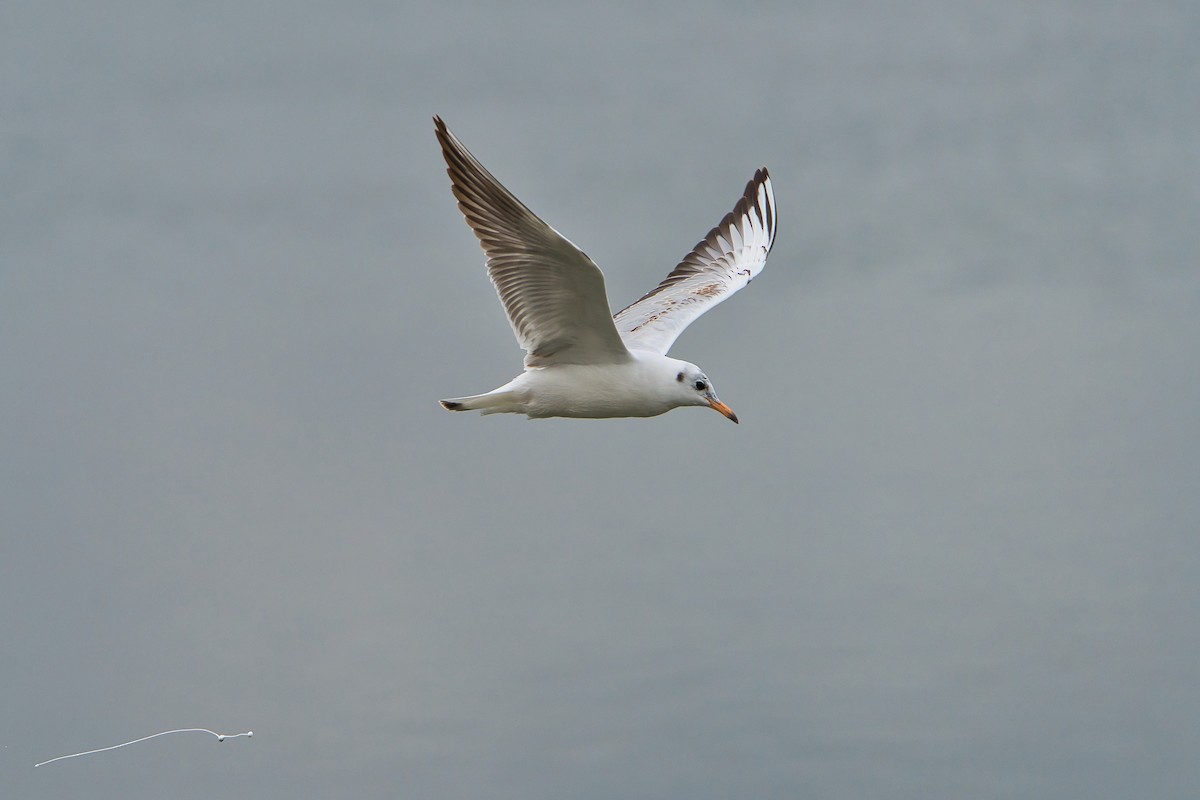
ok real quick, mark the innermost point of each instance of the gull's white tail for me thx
(490, 403)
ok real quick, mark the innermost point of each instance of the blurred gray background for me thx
(950, 552)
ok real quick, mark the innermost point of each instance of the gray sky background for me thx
(950, 551)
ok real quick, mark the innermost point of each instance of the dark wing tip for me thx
(748, 200)
(447, 140)
(458, 158)
(767, 209)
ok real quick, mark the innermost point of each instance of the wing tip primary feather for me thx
(758, 194)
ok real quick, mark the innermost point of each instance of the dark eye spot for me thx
(701, 386)
(679, 377)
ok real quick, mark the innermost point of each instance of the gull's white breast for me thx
(634, 388)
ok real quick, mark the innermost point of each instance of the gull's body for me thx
(643, 386)
(581, 361)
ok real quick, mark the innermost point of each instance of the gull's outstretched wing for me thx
(723, 262)
(553, 293)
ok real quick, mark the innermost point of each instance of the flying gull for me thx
(582, 361)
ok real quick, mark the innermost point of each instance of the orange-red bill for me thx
(724, 409)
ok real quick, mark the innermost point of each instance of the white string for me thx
(220, 738)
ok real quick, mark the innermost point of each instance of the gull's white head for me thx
(693, 388)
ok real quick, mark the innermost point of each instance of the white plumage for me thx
(580, 361)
